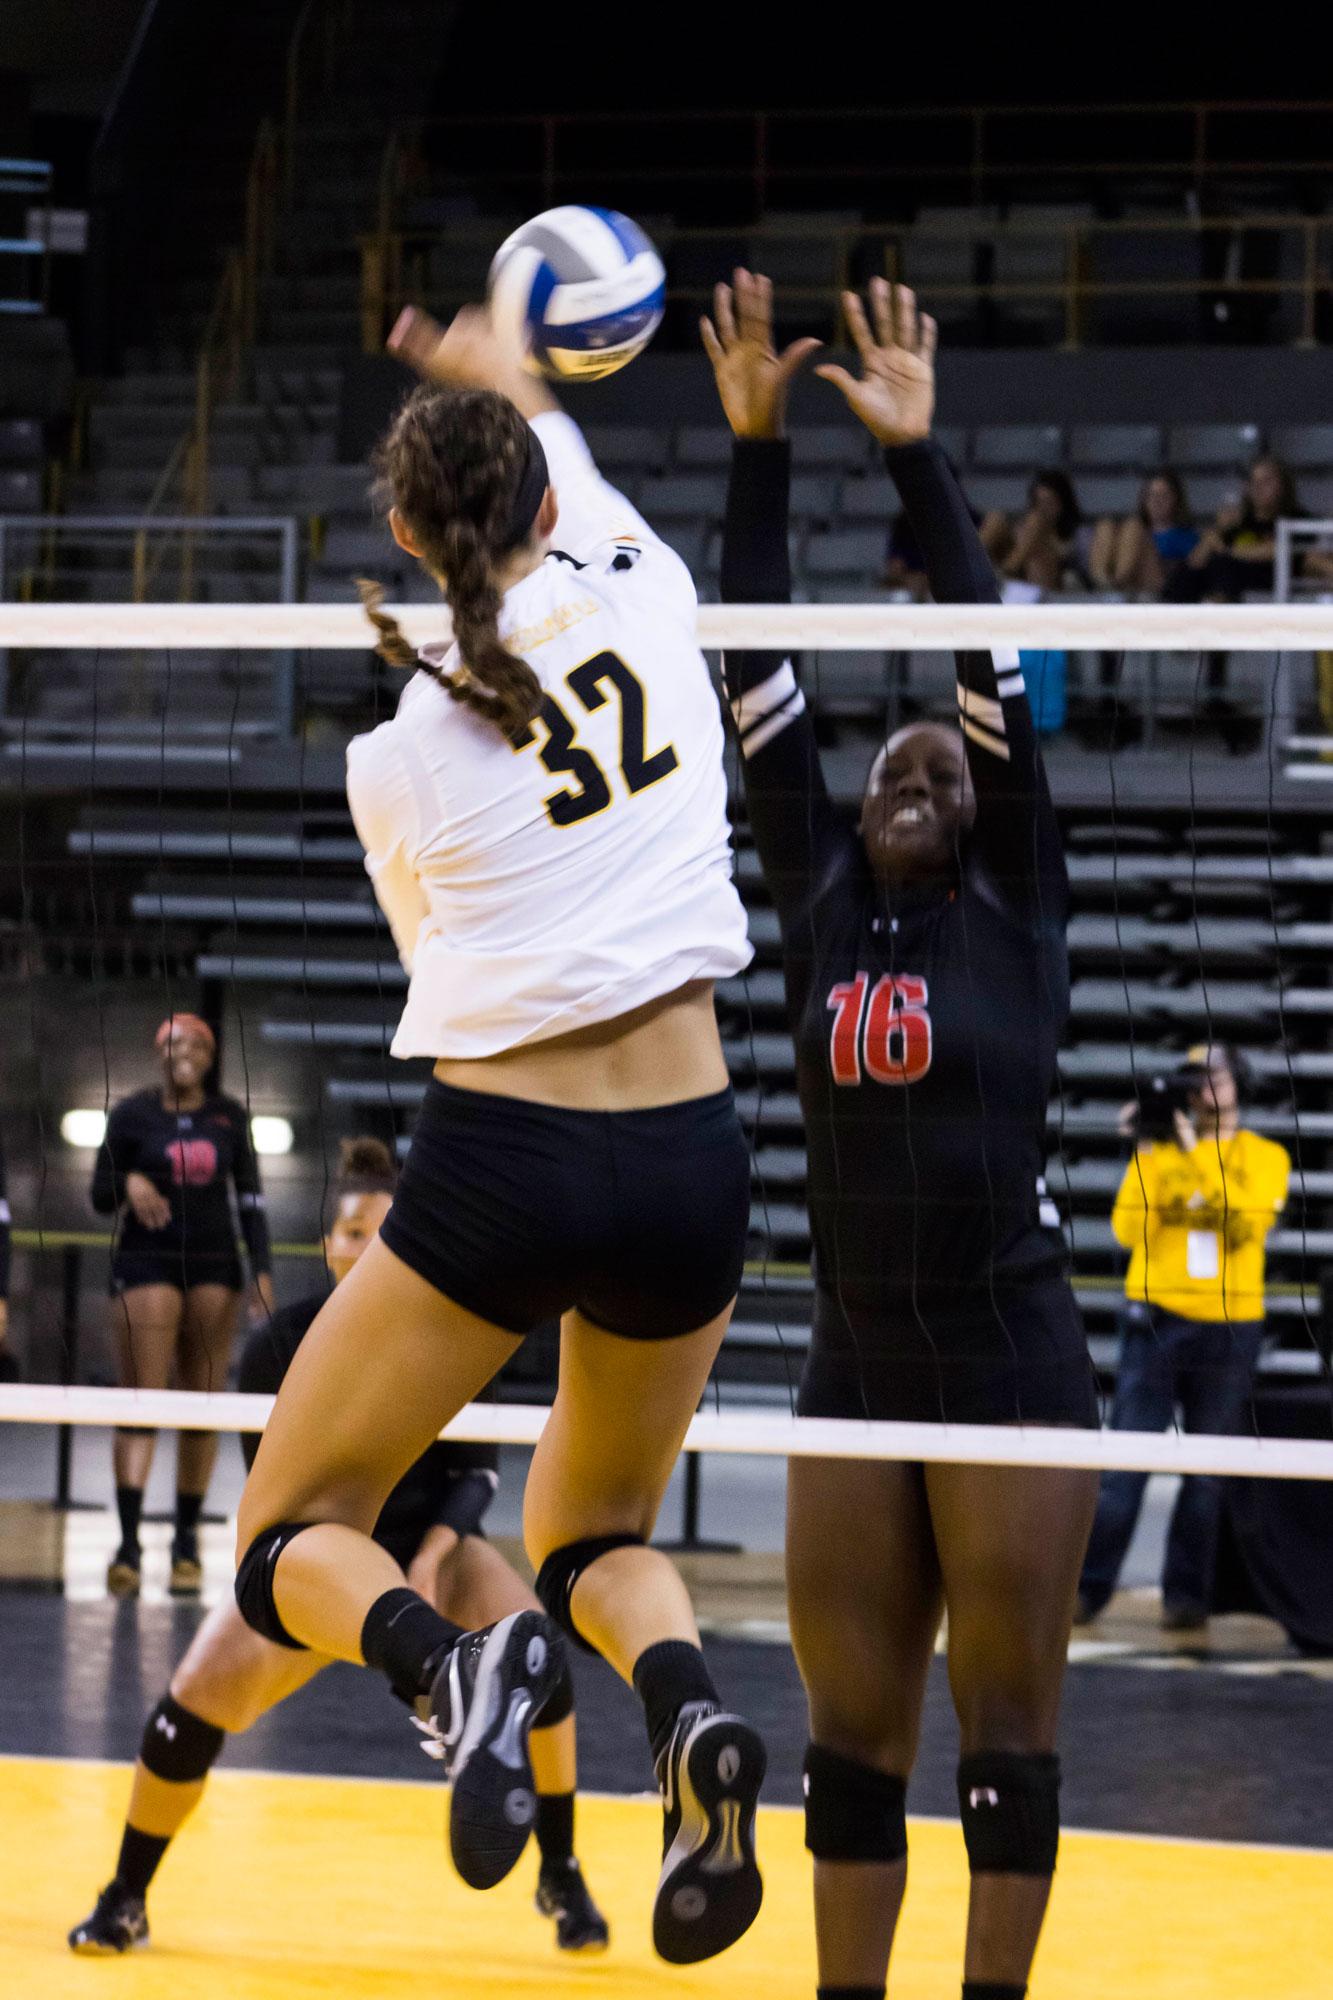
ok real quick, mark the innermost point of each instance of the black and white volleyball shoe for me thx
(485, 1695)
(710, 1889)
(118, 1923)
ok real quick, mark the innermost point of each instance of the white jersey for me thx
(534, 890)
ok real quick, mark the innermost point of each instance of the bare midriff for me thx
(665, 1052)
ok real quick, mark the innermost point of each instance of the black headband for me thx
(532, 484)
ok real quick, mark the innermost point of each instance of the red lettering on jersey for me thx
(844, 1042)
(898, 1035)
(194, 1162)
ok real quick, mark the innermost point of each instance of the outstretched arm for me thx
(797, 830)
(1017, 837)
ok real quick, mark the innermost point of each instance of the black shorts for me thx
(1030, 1364)
(520, 1212)
(182, 1268)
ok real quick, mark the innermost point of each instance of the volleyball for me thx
(581, 288)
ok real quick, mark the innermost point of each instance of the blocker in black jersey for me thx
(450, 1484)
(926, 1020)
(189, 1156)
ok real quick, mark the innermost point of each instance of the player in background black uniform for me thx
(9, 1367)
(927, 984)
(230, 1676)
(163, 1170)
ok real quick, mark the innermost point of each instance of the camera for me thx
(1155, 1114)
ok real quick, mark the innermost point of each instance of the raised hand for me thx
(753, 379)
(895, 394)
(467, 354)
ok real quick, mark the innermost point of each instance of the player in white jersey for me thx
(544, 823)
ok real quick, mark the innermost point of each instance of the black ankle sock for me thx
(851, 1993)
(402, 1636)
(987, 1989)
(189, 1507)
(140, 1854)
(666, 1676)
(555, 1828)
(129, 1506)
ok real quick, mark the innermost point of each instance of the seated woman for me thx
(1238, 553)
(1140, 554)
(1049, 545)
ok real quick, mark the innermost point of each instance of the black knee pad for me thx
(559, 1703)
(853, 1812)
(1011, 1812)
(563, 1568)
(179, 1745)
(254, 1583)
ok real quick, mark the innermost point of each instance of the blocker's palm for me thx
(895, 395)
(752, 377)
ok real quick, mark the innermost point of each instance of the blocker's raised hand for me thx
(895, 395)
(752, 377)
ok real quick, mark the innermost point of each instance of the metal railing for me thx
(950, 152)
(396, 265)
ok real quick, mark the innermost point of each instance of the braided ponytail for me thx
(452, 464)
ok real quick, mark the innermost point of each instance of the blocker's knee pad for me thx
(562, 1569)
(254, 1583)
(1010, 1806)
(853, 1812)
(179, 1745)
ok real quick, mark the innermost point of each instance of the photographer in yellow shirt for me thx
(1195, 1207)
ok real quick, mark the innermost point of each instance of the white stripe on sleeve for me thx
(995, 744)
(981, 708)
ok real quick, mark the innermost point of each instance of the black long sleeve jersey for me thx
(452, 1484)
(926, 1023)
(189, 1156)
(6, 1222)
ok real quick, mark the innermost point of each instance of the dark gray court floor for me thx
(1200, 1753)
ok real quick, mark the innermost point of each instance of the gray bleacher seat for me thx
(1017, 447)
(1034, 248)
(346, 547)
(814, 495)
(1213, 444)
(20, 491)
(1004, 492)
(873, 499)
(689, 539)
(639, 446)
(1208, 492)
(20, 441)
(316, 489)
(1115, 447)
(844, 447)
(845, 552)
(1316, 494)
(952, 440)
(683, 496)
(1108, 493)
(942, 249)
(704, 445)
(1304, 445)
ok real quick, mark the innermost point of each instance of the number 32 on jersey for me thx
(884, 1032)
(561, 752)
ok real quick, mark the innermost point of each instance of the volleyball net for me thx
(176, 838)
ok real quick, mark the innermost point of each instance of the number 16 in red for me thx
(890, 1035)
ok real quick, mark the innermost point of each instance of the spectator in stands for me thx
(1050, 545)
(1194, 1210)
(1140, 554)
(9, 1367)
(1236, 557)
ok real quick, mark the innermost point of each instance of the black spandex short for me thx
(520, 1211)
(183, 1269)
(1031, 1365)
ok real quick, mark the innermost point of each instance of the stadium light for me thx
(271, 1135)
(85, 1129)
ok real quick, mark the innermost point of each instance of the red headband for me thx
(185, 1024)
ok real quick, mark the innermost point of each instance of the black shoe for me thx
(118, 1923)
(562, 1893)
(710, 1889)
(482, 1702)
(1088, 1608)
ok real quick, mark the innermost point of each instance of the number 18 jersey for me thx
(538, 887)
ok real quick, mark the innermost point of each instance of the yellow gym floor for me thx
(310, 1888)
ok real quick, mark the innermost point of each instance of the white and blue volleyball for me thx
(581, 288)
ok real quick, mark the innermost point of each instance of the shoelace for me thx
(434, 1745)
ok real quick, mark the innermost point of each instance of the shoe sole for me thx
(494, 1803)
(186, 1581)
(122, 1581)
(94, 1948)
(710, 1887)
